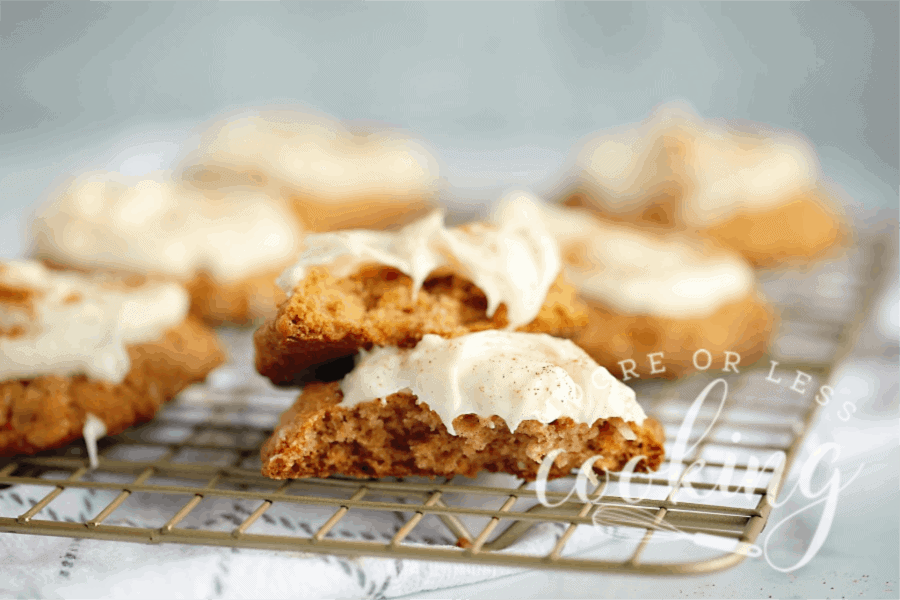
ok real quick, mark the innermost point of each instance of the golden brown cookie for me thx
(328, 317)
(73, 345)
(756, 190)
(351, 290)
(318, 437)
(333, 177)
(227, 248)
(49, 411)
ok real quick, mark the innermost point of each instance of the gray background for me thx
(503, 90)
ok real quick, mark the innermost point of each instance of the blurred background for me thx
(502, 90)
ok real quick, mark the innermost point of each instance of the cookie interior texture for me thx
(744, 327)
(49, 411)
(318, 437)
(327, 317)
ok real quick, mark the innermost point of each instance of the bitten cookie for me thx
(225, 248)
(752, 188)
(352, 290)
(495, 400)
(332, 177)
(73, 346)
(661, 305)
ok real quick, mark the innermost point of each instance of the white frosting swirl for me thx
(516, 376)
(721, 169)
(61, 323)
(633, 271)
(311, 154)
(514, 264)
(149, 224)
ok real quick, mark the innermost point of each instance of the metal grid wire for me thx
(200, 458)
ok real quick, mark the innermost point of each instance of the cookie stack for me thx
(462, 362)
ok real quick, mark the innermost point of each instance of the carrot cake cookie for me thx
(332, 176)
(493, 400)
(226, 248)
(353, 290)
(81, 353)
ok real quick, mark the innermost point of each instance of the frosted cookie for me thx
(494, 400)
(668, 296)
(96, 353)
(333, 178)
(227, 249)
(352, 290)
(752, 188)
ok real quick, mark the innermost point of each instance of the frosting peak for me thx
(514, 264)
(516, 376)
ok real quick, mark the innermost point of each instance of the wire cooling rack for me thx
(192, 475)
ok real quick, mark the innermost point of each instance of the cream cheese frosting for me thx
(150, 224)
(61, 323)
(310, 154)
(720, 168)
(516, 376)
(514, 264)
(633, 271)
